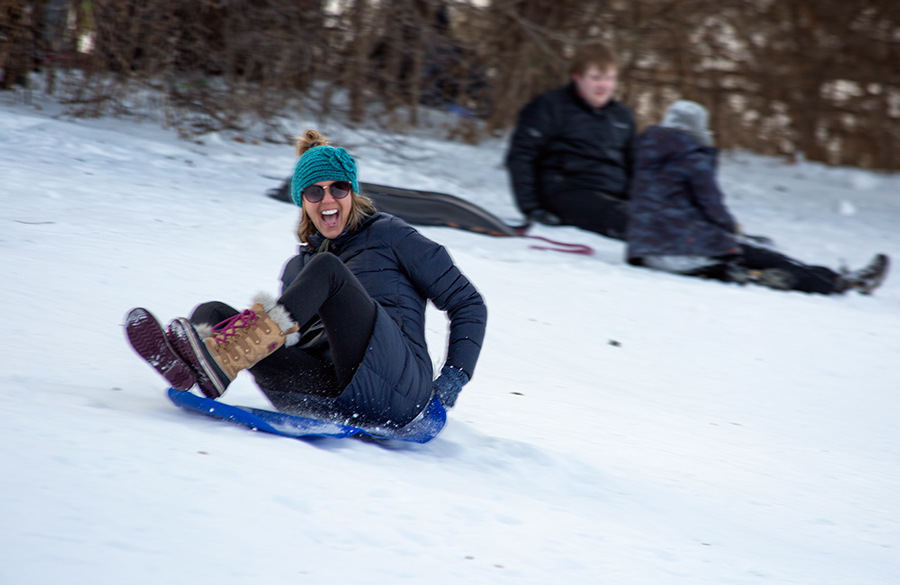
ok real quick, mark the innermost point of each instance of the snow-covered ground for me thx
(623, 426)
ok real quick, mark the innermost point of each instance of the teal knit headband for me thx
(322, 163)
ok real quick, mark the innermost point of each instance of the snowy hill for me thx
(729, 435)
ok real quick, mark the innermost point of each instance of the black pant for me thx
(325, 288)
(592, 210)
(767, 267)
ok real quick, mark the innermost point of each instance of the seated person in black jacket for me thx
(570, 156)
(679, 222)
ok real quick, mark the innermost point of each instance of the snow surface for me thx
(623, 426)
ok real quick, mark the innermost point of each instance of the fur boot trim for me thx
(204, 330)
(280, 315)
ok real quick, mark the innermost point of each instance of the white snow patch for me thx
(623, 426)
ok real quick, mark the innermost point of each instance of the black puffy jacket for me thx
(401, 270)
(562, 144)
(676, 207)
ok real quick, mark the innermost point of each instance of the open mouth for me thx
(330, 217)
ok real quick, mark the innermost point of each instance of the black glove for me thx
(448, 385)
(545, 217)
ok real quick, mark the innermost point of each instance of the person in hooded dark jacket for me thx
(570, 156)
(346, 338)
(679, 222)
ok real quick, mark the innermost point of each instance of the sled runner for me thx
(430, 208)
(422, 429)
(427, 208)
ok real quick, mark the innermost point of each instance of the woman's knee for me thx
(324, 268)
(212, 312)
(325, 262)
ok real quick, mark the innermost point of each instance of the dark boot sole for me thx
(148, 339)
(191, 348)
(875, 280)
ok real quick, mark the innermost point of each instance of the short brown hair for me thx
(598, 55)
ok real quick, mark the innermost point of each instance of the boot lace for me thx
(229, 328)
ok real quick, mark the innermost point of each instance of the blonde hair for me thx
(361, 206)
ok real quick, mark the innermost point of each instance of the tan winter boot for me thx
(233, 345)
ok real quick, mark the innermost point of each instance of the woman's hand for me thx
(448, 385)
(545, 217)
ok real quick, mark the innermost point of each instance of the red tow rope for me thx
(555, 246)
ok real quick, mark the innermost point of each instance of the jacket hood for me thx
(658, 144)
(689, 117)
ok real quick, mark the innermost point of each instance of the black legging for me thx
(325, 287)
(592, 210)
(792, 275)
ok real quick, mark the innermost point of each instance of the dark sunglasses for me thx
(315, 193)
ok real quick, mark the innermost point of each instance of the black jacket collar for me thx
(572, 90)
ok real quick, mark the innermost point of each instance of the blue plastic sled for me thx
(421, 430)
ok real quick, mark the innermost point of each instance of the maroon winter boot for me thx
(149, 340)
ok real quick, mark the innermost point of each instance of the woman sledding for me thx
(346, 338)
